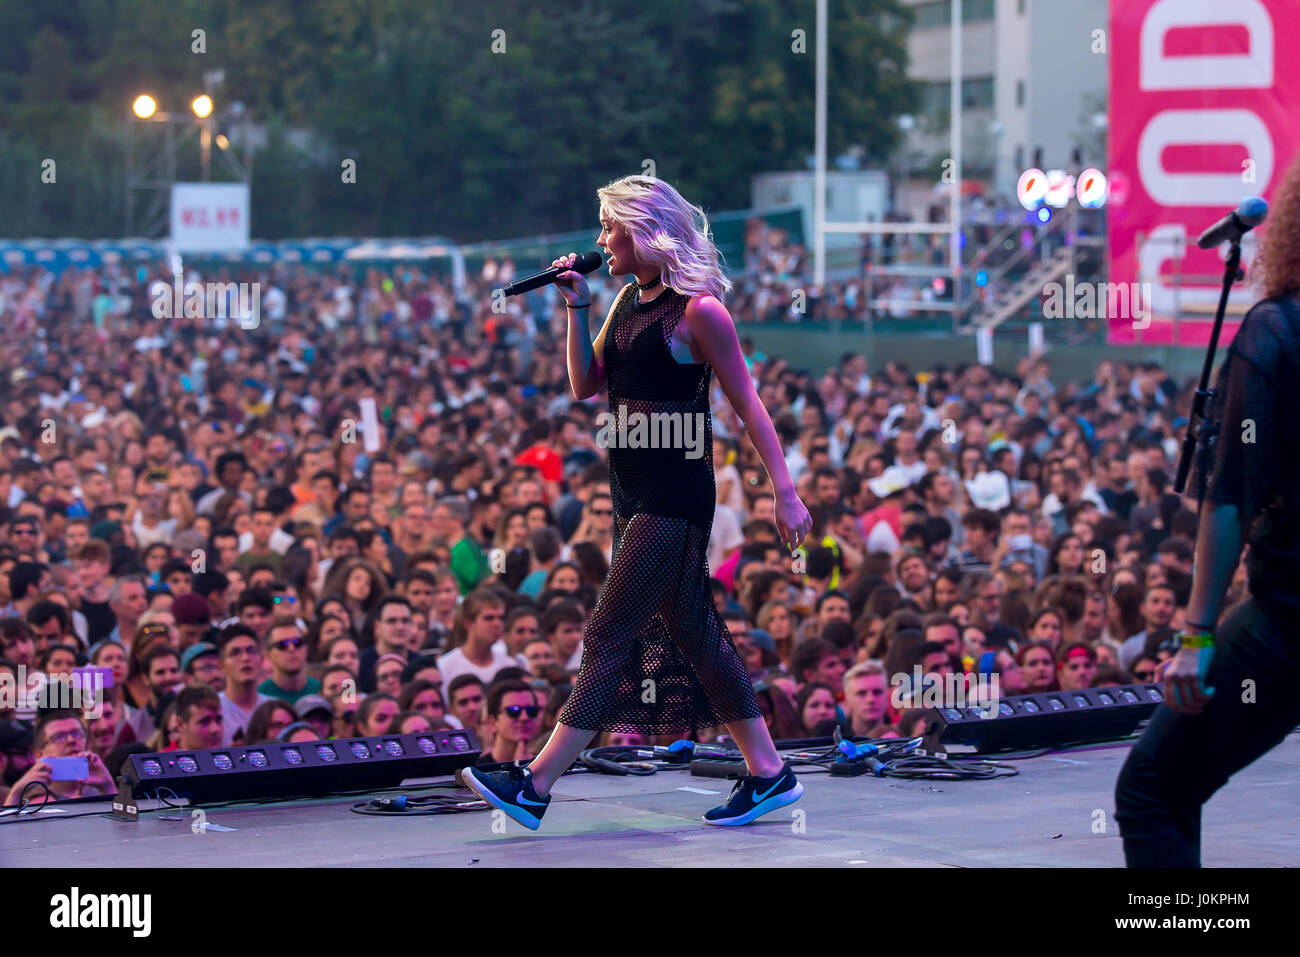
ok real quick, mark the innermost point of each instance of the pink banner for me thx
(1204, 112)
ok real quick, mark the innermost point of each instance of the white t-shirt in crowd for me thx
(235, 719)
(566, 553)
(454, 664)
(735, 499)
(280, 541)
(164, 531)
(723, 537)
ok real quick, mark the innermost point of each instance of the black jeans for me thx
(1181, 759)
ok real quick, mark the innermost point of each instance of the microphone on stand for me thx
(1236, 224)
(587, 262)
(1230, 229)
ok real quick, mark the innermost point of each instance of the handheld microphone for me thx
(587, 262)
(1252, 211)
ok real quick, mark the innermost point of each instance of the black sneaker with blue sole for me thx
(752, 797)
(509, 790)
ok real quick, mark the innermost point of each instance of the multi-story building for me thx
(1033, 83)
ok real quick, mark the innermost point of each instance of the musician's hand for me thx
(572, 285)
(1184, 676)
(792, 520)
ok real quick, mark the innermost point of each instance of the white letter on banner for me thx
(1201, 128)
(1224, 71)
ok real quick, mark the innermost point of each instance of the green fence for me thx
(728, 235)
(817, 347)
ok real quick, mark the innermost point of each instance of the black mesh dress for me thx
(656, 656)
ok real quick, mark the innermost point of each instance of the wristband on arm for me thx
(1195, 639)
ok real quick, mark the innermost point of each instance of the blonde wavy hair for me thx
(667, 232)
(1276, 268)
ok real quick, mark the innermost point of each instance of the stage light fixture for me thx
(1091, 189)
(1050, 719)
(278, 769)
(1060, 188)
(1031, 188)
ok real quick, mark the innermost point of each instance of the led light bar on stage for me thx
(278, 769)
(1049, 719)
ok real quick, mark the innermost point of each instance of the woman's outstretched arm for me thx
(713, 337)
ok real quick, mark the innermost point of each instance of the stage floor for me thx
(1051, 815)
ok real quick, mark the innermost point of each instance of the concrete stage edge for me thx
(1058, 812)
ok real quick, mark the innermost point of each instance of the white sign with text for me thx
(209, 217)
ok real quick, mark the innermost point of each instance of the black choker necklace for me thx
(651, 284)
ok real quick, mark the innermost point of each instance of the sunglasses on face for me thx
(1146, 674)
(284, 600)
(289, 643)
(515, 710)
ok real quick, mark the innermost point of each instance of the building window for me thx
(935, 98)
(1020, 7)
(976, 94)
(938, 13)
(1020, 93)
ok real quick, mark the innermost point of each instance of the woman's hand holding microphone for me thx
(572, 285)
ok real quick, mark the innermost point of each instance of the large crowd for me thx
(379, 509)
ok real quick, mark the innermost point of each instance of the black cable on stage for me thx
(613, 760)
(423, 806)
(934, 768)
(825, 757)
(158, 796)
(899, 758)
(23, 803)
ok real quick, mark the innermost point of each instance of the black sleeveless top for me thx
(659, 432)
(1247, 456)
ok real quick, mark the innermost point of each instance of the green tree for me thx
(448, 135)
